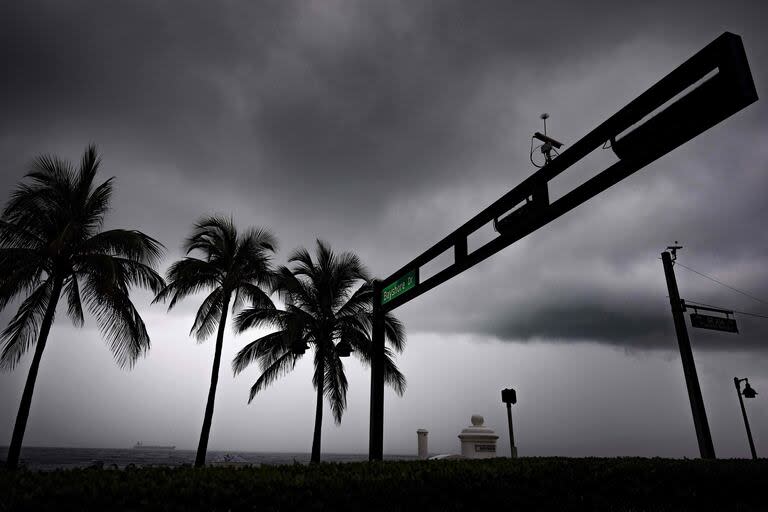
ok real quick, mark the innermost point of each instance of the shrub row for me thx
(527, 484)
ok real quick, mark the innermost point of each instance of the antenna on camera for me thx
(548, 146)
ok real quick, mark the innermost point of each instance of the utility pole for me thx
(703, 435)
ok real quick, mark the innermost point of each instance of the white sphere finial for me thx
(477, 420)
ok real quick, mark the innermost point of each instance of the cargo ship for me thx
(141, 446)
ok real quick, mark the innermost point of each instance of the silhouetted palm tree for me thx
(321, 308)
(51, 242)
(233, 266)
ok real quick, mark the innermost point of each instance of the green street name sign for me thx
(399, 287)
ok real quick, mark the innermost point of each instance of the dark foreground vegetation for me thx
(626, 484)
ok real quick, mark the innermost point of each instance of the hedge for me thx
(526, 484)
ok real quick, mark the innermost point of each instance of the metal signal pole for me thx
(527, 207)
(376, 431)
(706, 448)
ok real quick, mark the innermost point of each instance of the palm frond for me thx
(21, 332)
(208, 315)
(295, 291)
(74, 303)
(394, 331)
(253, 295)
(266, 350)
(186, 277)
(96, 205)
(259, 239)
(336, 385)
(128, 273)
(359, 303)
(130, 244)
(106, 285)
(302, 262)
(282, 365)
(358, 339)
(361, 343)
(20, 271)
(33, 209)
(89, 166)
(53, 173)
(324, 255)
(13, 235)
(250, 318)
(118, 320)
(347, 271)
(392, 374)
(216, 237)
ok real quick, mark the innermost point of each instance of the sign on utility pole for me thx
(715, 323)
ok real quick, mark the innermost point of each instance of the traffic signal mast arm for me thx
(727, 91)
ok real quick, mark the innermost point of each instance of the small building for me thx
(477, 440)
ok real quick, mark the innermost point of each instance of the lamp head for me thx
(748, 391)
(508, 396)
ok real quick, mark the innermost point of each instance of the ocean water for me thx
(49, 459)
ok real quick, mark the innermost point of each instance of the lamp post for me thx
(509, 397)
(748, 393)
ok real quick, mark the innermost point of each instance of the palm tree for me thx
(233, 265)
(321, 308)
(51, 243)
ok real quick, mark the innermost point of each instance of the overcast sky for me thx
(380, 127)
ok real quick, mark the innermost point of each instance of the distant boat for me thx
(140, 446)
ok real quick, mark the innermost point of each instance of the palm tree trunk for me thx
(202, 446)
(318, 413)
(14, 451)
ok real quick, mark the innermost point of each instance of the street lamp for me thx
(748, 393)
(509, 397)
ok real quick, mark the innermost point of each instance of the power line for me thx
(723, 284)
(693, 304)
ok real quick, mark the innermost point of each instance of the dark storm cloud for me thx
(382, 126)
(143, 72)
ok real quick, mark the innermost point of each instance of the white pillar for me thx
(477, 440)
(422, 434)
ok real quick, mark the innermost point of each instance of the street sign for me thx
(508, 396)
(716, 323)
(399, 287)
